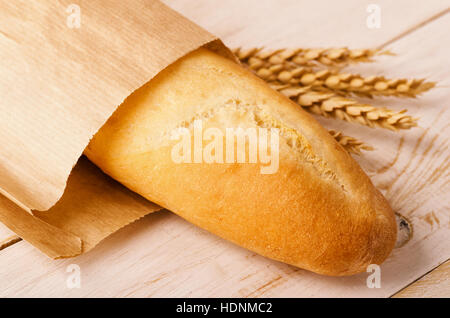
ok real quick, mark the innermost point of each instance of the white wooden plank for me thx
(162, 255)
(306, 23)
(165, 256)
(435, 284)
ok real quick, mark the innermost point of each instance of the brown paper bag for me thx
(65, 68)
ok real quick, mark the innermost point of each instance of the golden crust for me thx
(319, 211)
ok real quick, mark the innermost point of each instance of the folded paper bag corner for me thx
(50, 240)
(92, 207)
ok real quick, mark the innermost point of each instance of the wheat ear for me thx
(334, 106)
(350, 144)
(342, 83)
(330, 57)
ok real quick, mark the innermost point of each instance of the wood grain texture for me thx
(163, 255)
(436, 284)
(305, 23)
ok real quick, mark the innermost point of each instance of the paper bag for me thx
(65, 68)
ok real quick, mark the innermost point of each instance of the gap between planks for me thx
(414, 28)
(433, 284)
(9, 241)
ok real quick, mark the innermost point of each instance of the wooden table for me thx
(162, 255)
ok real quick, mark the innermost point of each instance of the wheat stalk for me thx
(342, 83)
(356, 84)
(334, 106)
(350, 144)
(330, 57)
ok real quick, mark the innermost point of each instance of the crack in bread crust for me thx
(261, 118)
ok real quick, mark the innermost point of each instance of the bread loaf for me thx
(315, 208)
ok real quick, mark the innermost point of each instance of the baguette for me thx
(318, 210)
